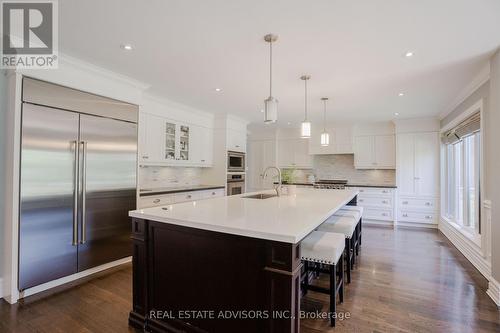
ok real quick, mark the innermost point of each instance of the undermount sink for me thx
(260, 196)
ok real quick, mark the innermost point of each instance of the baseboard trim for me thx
(471, 251)
(494, 291)
(378, 222)
(73, 277)
(417, 225)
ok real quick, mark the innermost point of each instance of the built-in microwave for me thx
(235, 161)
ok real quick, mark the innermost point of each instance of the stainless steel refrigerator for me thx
(78, 182)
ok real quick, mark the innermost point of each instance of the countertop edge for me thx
(347, 185)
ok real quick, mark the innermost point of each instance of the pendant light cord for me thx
(305, 100)
(324, 116)
(271, 68)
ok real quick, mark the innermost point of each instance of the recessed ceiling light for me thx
(396, 113)
(409, 54)
(127, 47)
(218, 89)
(401, 94)
(262, 111)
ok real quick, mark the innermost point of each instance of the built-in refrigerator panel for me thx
(109, 160)
(47, 248)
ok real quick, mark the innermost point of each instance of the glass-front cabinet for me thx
(177, 142)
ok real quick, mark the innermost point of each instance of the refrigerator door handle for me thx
(75, 196)
(84, 192)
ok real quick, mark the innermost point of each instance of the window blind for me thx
(467, 127)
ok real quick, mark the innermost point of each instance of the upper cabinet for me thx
(375, 152)
(236, 140)
(340, 141)
(418, 164)
(168, 142)
(294, 153)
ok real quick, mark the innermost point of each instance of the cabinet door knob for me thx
(213, 193)
(188, 196)
(405, 202)
(405, 215)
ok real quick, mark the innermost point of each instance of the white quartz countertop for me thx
(288, 218)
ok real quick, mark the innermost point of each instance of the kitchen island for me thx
(229, 264)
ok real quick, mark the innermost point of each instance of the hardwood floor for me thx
(406, 281)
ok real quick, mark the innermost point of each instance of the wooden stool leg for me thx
(333, 294)
(348, 258)
(341, 279)
(352, 253)
(360, 228)
(356, 233)
(306, 279)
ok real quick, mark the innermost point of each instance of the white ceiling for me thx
(354, 51)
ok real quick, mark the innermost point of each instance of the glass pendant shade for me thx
(325, 139)
(305, 130)
(271, 110)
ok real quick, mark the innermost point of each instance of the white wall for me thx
(3, 107)
(493, 162)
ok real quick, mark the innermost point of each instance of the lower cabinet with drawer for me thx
(169, 199)
(378, 204)
(418, 210)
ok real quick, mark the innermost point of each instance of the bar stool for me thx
(345, 225)
(360, 223)
(327, 249)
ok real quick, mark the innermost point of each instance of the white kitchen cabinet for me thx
(294, 153)
(169, 199)
(340, 141)
(418, 177)
(151, 145)
(168, 142)
(378, 203)
(236, 140)
(375, 152)
(201, 146)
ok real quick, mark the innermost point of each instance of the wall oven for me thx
(235, 184)
(235, 161)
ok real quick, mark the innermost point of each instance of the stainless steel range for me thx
(331, 184)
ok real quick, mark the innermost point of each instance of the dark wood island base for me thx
(192, 280)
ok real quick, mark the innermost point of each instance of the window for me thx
(462, 176)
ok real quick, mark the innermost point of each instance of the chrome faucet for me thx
(276, 188)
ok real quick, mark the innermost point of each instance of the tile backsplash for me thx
(156, 177)
(342, 167)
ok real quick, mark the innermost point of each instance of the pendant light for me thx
(305, 128)
(270, 103)
(325, 137)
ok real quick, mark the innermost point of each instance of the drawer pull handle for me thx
(384, 214)
(385, 201)
(360, 200)
(405, 215)
(428, 217)
(405, 202)
(361, 190)
(145, 157)
(189, 196)
(156, 200)
(385, 191)
(213, 193)
(428, 204)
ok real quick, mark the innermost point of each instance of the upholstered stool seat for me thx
(327, 249)
(345, 225)
(322, 247)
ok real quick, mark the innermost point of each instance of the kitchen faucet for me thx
(277, 188)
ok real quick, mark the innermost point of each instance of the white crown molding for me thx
(494, 291)
(84, 65)
(478, 81)
(175, 105)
